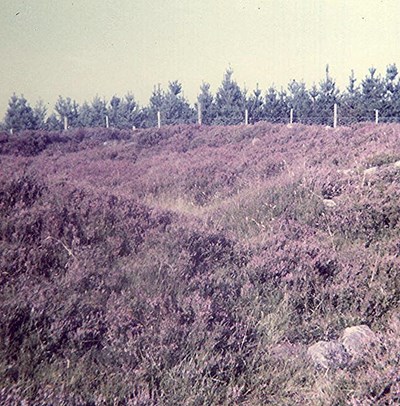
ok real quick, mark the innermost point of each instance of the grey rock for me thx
(357, 339)
(286, 351)
(370, 171)
(328, 354)
(329, 203)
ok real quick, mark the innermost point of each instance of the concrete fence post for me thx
(65, 123)
(158, 119)
(376, 116)
(291, 117)
(199, 114)
(335, 115)
(246, 117)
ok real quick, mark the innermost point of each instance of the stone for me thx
(328, 354)
(346, 171)
(370, 171)
(329, 203)
(357, 339)
(286, 351)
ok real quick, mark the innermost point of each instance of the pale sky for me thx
(81, 48)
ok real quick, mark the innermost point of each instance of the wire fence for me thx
(335, 117)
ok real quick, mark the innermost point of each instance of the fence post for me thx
(158, 119)
(65, 123)
(376, 116)
(246, 117)
(335, 115)
(11, 131)
(107, 122)
(199, 117)
(291, 117)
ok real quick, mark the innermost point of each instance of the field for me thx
(195, 265)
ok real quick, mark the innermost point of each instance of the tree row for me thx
(358, 102)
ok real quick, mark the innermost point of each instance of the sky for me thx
(84, 48)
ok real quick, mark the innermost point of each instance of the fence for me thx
(334, 120)
(290, 119)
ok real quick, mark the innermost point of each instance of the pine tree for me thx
(300, 101)
(99, 112)
(255, 106)
(175, 108)
(85, 118)
(351, 103)
(206, 101)
(19, 115)
(128, 112)
(326, 99)
(53, 123)
(67, 108)
(149, 114)
(229, 102)
(276, 109)
(373, 91)
(40, 112)
(390, 107)
(114, 112)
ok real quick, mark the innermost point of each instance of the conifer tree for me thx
(99, 112)
(175, 108)
(124, 113)
(129, 112)
(229, 102)
(373, 91)
(114, 112)
(19, 115)
(325, 100)
(85, 118)
(53, 123)
(300, 101)
(67, 108)
(351, 103)
(255, 107)
(206, 101)
(276, 109)
(93, 115)
(148, 115)
(391, 103)
(40, 112)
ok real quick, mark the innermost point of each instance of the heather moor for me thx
(201, 265)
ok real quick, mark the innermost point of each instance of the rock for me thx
(357, 339)
(255, 141)
(370, 171)
(328, 354)
(346, 171)
(286, 351)
(397, 164)
(329, 203)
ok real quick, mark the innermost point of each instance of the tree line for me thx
(358, 102)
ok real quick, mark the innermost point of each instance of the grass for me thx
(198, 267)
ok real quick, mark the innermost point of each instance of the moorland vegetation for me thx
(195, 264)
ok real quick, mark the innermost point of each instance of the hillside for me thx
(195, 265)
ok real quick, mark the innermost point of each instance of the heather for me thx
(195, 264)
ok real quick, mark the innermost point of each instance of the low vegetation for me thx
(194, 265)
